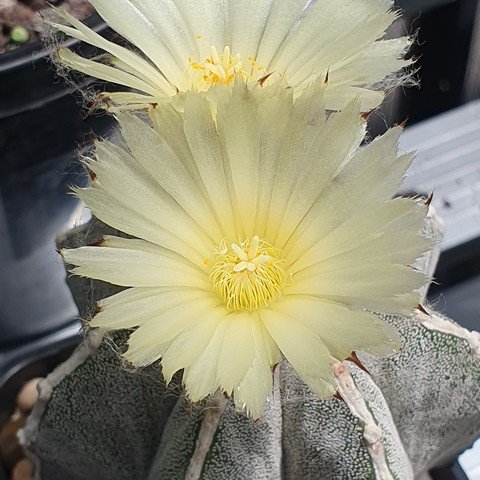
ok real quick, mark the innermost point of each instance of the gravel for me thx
(21, 21)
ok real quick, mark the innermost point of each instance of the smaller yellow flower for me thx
(260, 238)
(195, 45)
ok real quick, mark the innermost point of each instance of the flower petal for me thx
(135, 263)
(201, 377)
(242, 144)
(357, 285)
(135, 306)
(351, 29)
(374, 63)
(114, 212)
(373, 251)
(137, 65)
(133, 183)
(284, 14)
(103, 72)
(329, 37)
(304, 350)
(372, 176)
(131, 101)
(144, 344)
(140, 23)
(237, 352)
(341, 330)
(247, 24)
(171, 173)
(329, 150)
(206, 21)
(337, 97)
(306, 124)
(187, 346)
(203, 140)
(252, 392)
(399, 219)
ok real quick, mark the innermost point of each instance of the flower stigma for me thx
(249, 275)
(221, 69)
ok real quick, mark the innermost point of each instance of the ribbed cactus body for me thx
(411, 412)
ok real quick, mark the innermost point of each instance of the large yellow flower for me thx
(265, 233)
(196, 44)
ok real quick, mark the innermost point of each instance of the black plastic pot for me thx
(41, 128)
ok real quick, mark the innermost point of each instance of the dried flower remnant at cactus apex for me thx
(196, 45)
(260, 238)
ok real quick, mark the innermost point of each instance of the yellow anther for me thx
(249, 275)
(220, 69)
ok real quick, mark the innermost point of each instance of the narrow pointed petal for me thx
(161, 329)
(135, 263)
(137, 184)
(170, 173)
(138, 66)
(304, 350)
(238, 350)
(103, 72)
(252, 392)
(204, 143)
(398, 220)
(375, 63)
(120, 214)
(372, 175)
(341, 330)
(135, 306)
(337, 97)
(201, 377)
(341, 130)
(247, 24)
(138, 23)
(284, 15)
(187, 346)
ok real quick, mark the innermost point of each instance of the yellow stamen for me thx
(249, 275)
(221, 69)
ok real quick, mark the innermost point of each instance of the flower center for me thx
(249, 275)
(221, 69)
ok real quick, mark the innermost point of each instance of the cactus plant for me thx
(239, 156)
(411, 412)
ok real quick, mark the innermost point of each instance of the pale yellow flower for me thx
(265, 233)
(196, 44)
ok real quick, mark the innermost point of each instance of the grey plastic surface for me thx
(448, 163)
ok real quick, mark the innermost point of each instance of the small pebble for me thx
(21, 21)
(28, 396)
(10, 450)
(4, 4)
(19, 35)
(23, 470)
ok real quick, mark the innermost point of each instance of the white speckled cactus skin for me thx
(416, 410)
